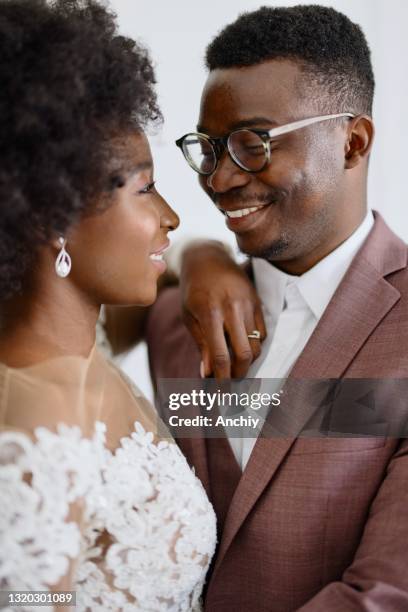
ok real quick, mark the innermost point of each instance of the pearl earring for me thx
(63, 261)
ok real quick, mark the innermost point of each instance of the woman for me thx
(94, 498)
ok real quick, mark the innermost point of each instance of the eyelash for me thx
(147, 188)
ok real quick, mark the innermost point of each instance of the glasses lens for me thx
(199, 153)
(248, 149)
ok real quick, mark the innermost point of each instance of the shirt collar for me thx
(270, 284)
(316, 286)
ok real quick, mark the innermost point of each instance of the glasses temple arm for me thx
(296, 125)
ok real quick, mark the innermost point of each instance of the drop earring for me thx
(63, 261)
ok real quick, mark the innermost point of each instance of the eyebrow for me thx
(128, 169)
(144, 165)
(252, 122)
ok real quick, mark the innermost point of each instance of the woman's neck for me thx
(48, 322)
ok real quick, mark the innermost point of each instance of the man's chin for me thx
(273, 251)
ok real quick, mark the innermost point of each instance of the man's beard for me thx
(271, 197)
(275, 251)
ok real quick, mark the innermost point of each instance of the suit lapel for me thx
(358, 306)
(361, 301)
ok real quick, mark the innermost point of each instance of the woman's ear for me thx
(360, 136)
(58, 243)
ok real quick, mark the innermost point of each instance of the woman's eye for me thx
(147, 188)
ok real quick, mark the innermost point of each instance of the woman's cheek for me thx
(147, 224)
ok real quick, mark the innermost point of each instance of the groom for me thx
(318, 525)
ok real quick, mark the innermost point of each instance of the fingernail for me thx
(202, 370)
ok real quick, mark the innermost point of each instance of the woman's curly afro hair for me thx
(67, 80)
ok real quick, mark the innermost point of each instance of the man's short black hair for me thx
(331, 49)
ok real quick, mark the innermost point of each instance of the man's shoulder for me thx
(166, 311)
(387, 254)
(387, 251)
(172, 350)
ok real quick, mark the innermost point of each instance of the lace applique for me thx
(147, 529)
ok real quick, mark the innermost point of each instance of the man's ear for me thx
(360, 136)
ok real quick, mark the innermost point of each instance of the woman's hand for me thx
(221, 308)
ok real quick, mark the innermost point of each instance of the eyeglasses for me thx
(248, 148)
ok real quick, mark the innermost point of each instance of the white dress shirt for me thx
(293, 306)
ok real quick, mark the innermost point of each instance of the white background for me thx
(177, 32)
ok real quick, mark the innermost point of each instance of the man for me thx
(310, 524)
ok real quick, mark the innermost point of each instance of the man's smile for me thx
(244, 219)
(242, 212)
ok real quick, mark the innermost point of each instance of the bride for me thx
(95, 496)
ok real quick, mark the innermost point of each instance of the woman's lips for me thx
(157, 258)
(158, 262)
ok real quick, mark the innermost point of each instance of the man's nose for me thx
(227, 175)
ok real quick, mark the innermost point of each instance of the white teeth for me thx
(158, 257)
(233, 214)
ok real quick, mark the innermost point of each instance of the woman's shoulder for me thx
(127, 382)
(62, 391)
(131, 402)
(74, 394)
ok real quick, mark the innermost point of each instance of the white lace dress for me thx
(133, 527)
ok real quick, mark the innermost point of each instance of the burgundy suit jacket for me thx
(318, 525)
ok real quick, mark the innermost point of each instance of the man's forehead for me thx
(268, 90)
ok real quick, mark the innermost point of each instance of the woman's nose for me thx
(169, 219)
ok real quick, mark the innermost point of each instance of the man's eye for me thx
(147, 188)
(255, 149)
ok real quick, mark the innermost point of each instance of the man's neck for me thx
(298, 266)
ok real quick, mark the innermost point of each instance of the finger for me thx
(244, 350)
(260, 321)
(206, 369)
(212, 329)
(255, 344)
(195, 330)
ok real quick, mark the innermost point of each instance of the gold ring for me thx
(255, 334)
